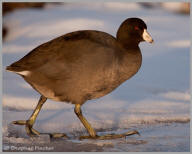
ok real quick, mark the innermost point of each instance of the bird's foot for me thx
(57, 135)
(19, 122)
(32, 132)
(111, 136)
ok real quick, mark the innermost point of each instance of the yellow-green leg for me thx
(91, 131)
(86, 124)
(29, 123)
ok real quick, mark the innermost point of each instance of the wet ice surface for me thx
(153, 138)
(173, 137)
(155, 101)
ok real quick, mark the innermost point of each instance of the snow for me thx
(158, 93)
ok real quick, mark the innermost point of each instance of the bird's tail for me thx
(14, 68)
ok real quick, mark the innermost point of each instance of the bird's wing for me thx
(66, 49)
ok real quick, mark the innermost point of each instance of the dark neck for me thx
(128, 43)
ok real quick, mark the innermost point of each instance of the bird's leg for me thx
(86, 124)
(29, 123)
(91, 131)
(33, 117)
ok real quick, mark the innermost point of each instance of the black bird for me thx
(81, 66)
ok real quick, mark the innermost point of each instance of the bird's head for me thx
(133, 31)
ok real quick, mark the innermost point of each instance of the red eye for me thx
(136, 28)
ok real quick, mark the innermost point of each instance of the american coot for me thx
(81, 66)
